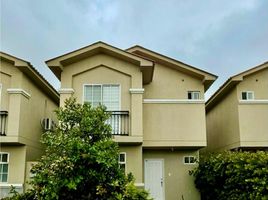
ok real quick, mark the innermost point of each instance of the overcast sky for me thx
(222, 37)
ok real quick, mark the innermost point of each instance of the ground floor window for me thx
(122, 160)
(3, 167)
(189, 159)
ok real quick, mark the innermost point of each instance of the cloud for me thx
(223, 37)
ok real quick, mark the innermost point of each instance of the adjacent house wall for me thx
(27, 104)
(25, 109)
(253, 115)
(222, 124)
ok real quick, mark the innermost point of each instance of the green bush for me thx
(233, 175)
(80, 160)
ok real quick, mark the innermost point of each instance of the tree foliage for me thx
(81, 159)
(233, 175)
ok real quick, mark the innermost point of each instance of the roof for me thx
(231, 83)
(27, 68)
(206, 77)
(57, 64)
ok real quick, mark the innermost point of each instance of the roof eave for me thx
(27, 68)
(206, 77)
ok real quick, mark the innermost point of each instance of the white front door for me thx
(153, 178)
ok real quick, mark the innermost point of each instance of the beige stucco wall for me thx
(5, 82)
(134, 161)
(105, 69)
(169, 83)
(32, 111)
(24, 113)
(17, 161)
(253, 116)
(177, 181)
(173, 124)
(253, 125)
(257, 82)
(24, 121)
(223, 125)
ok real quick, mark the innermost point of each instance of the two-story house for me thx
(26, 100)
(237, 114)
(157, 105)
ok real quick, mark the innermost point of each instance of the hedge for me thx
(233, 175)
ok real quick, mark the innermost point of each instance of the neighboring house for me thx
(26, 99)
(157, 105)
(237, 114)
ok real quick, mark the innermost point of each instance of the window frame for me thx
(7, 162)
(189, 157)
(98, 84)
(124, 162)
(192, 94)
(247, 94)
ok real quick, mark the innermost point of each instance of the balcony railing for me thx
(119, 121)
(3, 122)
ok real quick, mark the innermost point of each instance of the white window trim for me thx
(8, 155)
(125, 162)
(92, 84)
(247, 92)
(136, 90)
(10, 184)
(174, 101)
(18, 91)
(66, 91)
(195, 157)
(193, 92)
(254, 101)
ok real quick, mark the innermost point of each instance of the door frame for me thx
(163, 172)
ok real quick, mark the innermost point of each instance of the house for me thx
(26, 99)
(157, 105)
(237, 114)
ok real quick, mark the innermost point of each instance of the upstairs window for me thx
(106, 94)
(247, 95)
(122, 160)
(194, 95)
(3, 167)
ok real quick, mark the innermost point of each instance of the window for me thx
(189, 160)
(3, 167)
(247, 95)
(193, 95)
(122, 160)
(107, 95)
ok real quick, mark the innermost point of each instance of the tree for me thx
(81, 159)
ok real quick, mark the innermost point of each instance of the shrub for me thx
(80, 160)
(233, 175)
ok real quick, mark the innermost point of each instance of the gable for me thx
(238, 79)
(206, 77)
(57, 64)
(27, 69)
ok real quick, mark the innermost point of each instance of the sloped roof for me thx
(27, 68)
(230, 83)
(56, 64)
(206, 77)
